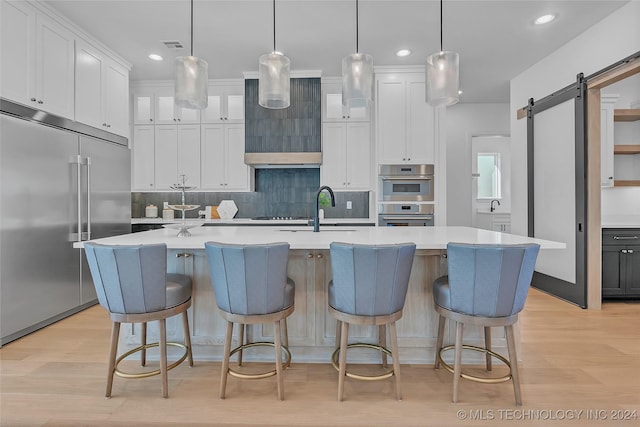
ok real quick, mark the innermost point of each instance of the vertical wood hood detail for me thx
(284, 138)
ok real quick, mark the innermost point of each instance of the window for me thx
(489, 176)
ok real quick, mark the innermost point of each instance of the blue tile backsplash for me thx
(279, 192)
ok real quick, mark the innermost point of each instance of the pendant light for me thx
(274, 71)
(191, 79)
(442, 75)
(357, 76)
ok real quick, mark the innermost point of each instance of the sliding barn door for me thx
(556, 190)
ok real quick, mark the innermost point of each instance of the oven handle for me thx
(407, 177)
(396, 217)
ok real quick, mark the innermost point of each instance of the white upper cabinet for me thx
(405, 122)
(143, 106)
(222, 149)
(332, 108)
(225, 103)
(37, 60)
(102, 90)
(167, 112)
(177, 152)
(143, 158)
(346, 155)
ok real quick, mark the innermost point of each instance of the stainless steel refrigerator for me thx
(61, 182)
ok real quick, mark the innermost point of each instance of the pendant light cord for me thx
(274, 25)
(357, 50)
(441, 49)
(191, 27)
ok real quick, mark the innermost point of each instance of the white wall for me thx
(614, 38)
(464, 121)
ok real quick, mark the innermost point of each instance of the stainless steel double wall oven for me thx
(407, 195)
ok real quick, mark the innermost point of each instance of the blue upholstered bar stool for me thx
(251, 287)
(487, 285)
(133, 285)
(369, 287)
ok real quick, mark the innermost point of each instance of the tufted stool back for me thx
(370, 280)
(486, 280)
(250, 280)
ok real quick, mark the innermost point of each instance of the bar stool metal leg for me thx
(163, 356)
(278, 345)
(240, 342)
(439, 340)
(382, 342)
(115, 333)
(513, 359)
(396, 359)
(487, 345)
(344, 334)
(225, 360)
(143, 340)
(187, 337)
(457, 367)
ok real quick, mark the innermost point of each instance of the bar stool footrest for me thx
(388, 374)
(124, 374)
(243, 375)
(485, 380)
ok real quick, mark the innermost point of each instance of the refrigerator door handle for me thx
(87, 236)
(77, 236)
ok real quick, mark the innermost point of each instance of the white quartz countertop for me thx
(621, 221)
(249, 221)
(305, 238)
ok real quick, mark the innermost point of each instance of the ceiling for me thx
(496, 40)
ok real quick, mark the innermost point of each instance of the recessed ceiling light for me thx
(545, 19)
(403, 52)
(155, 57)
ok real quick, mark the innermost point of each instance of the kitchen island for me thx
(311, 329)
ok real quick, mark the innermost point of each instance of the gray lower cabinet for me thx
(621, 263)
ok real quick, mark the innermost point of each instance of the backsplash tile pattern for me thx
(294, 129)
(279, 192)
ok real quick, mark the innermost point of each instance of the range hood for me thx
(286, 138)
(280, 159)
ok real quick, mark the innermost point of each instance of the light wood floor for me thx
(572, 360)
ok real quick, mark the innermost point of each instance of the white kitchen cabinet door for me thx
(167, 112)
(143, 106)
(236, 170)
(346, 155)
(54, 67)
(17, 62)
(392, 121)
(143, 158)
(189, 154)
(37, 60)
(420, 125)
(102, 91)
(225, 103)
(212, 160)
(358, 150)
(222, 166)
(332, 108)
(116, 98)
(406, 123)
(334, 158)
(89, 86)
(166, 156)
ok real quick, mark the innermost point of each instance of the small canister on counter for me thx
(167, 212)
(151, 211)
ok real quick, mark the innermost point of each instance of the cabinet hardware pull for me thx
(41, 102)
(624, 251)
(625, 237)
(150, 120)
(186, 255)
(319, 256)
(630, 251)
(309, 255)
(33, 100)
